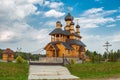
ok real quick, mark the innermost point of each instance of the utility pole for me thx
(107, 44)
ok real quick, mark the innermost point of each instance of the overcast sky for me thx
(26, 23)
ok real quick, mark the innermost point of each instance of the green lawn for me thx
(13, 71)
(90, 71)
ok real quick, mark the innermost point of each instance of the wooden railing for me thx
(53, 61)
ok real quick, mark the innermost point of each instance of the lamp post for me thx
(107, 44)
(19, 50)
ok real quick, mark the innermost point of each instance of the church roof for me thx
(66, 32)
(64, 44)
(77, 42)
(60, 31)
(57, 31)
(69, 17)
(75, 34)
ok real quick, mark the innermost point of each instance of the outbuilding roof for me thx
(8, 51)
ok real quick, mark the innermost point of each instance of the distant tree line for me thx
(94, 56)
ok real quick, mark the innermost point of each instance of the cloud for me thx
(112, 25)
(6, 35)
(93, 11)
(50, 23)
(118, 17)
(95, 17)
(54, 5)
(54, 13)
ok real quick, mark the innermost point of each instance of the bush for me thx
(72, 61)
(19, 59)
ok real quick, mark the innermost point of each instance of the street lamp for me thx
(19, 50)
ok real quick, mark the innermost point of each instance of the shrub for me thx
(19, 59)
(72, 61)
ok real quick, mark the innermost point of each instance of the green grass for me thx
(90, 71)
(13, 71)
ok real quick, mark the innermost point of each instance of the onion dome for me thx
(58, 22)
(72, 23)
(69, 17)
(77, 26)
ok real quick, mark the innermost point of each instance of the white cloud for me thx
(6, 35)
(112, 25)
(93, 11)
(118, 17)
(95, 17)
(54, 13)
(53, 5)
(56, 5)
(50, 23)
(46, 3)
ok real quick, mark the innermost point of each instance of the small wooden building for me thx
(8, 54)
(66, 41)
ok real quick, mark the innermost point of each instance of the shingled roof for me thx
(57, 31)
(58, 42)
(60, 31)
(8, 51)
(66, 32)
(77, 42)
(75, 34)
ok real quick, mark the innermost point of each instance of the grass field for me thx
(95, 71)
(13, 71)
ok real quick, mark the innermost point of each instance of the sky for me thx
(26, 24)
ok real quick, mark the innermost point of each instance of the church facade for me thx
(66, 42)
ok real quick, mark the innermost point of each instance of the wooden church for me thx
(66, 42)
